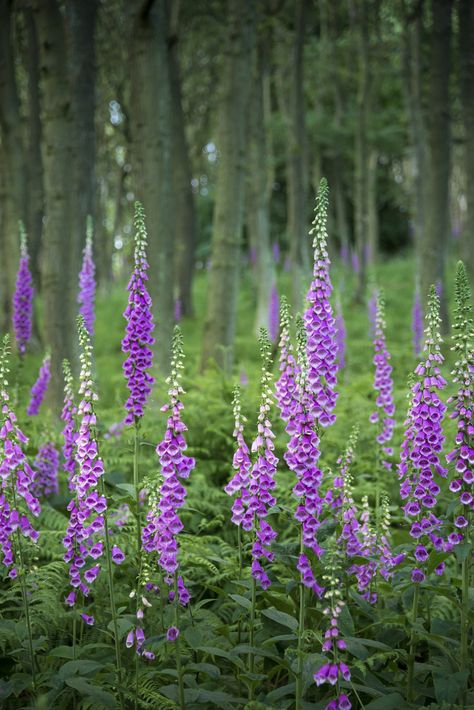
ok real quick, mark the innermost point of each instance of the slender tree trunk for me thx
(361, 168)
(436, 228)
(58, 241)
(372, 210)
(412, 85)
(258, 197)
(228, 211)
(466, 52)
(151, 127)
(13, 166)
(185, 218)
(81, 20)
(297, 169)
(35, 160)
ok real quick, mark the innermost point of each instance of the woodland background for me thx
(221, 116)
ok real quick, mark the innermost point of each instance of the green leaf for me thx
(281, 618)
(62, 652)
(449, 687)
(98, 695)
(392, 701)
(462, 551)
(209, 668)
(82, 666)
(242, 601)
(281, 692)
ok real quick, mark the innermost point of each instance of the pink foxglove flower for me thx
(239, 483)
(138, 338)
(17, 499)
(285, 386)
(86, 296)
(40, 387)
(383, 384)
(46, 466)
(23, 298)
(68, 416)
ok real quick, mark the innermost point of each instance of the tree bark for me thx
(436, 228)
(151, 129)
(81, 20)
(259, 194)
(35, 160)
(13, 166)
(466, 56)
(220, 324)
(297, 173)
(185, 218)
(57, 278)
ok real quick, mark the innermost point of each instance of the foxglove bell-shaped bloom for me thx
(45, 466)
(23, 298)
(68, 416)
(239, 483)
(420, 466)
(40, 387)
(17, 499)
(262, 476)
(163, 525)
(84, 539)
(274, 307)
(319, 321)
(285, 386)
(138, 334)
(383, 384)
(86, 296)
(302, 458)
(461, 458)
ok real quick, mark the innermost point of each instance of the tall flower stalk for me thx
(420, 465)
(461, 456)
(68, 416)
(161, 532)
(86, 295)
(383, 386)
(17, 499)
(46, 466)
(319, 320)
(274, 307)
(23, 298)
(87, 536)
(39, 389)
(285, 386)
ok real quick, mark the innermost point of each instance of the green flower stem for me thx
(252, 634)
(465, 609)
(299, 670)
(239, 546)
(113, 608)
(411, 656)
(179, 669)
(136, 483)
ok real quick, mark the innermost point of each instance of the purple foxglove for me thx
(319, 321)
(23, 298)
(68, 416)
(84, 539)
(262, 475)
(302, 458)
(40, 387)
(45, 466)
(461, 458)
(239, 484)
(160, 536)
(138, 337)
(86, 296)
(17, 499)
(420, 466)
(383, 385)
(285, 386)
(274, 307)
(372, 311)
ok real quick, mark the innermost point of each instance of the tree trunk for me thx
(297, 170)
(185, 217)
(81, 19)
(466, 51)
(57, 279)
(13, 182)
(228, 211)
(35, 161)
(372, 210)
(412, 85)
(436, 229)
(361, 167)
(258, 197)
(151, 129)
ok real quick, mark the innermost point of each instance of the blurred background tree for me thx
(221, 117)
